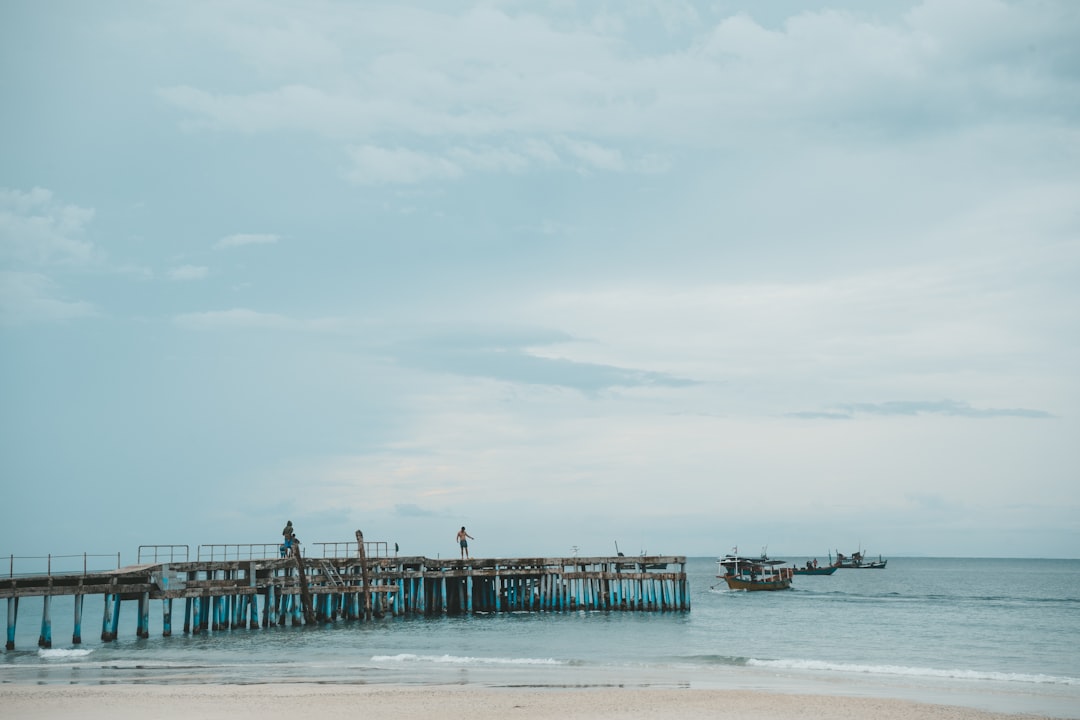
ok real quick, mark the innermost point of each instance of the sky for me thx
(681, 276)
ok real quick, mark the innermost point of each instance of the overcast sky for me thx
(677, 275)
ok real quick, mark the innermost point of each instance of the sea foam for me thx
(460, 660)
(63, 653)
(821, 665)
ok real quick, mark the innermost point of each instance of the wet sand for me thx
(330, 702)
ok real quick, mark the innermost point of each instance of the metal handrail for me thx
(238, 551)
(49, 564)
(372, 549)
(159, 553)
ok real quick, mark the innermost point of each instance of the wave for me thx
(63, 654)
(460, 660)
(956, 674)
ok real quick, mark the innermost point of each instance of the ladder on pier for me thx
(331, 573)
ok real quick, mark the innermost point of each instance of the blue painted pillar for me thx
(196, 615)
(188, 602)
(12, 616)
(142, 627)
(45, 638)
(106, 618)
(76, 635)
(270, 609)
(166, 617)
(215, 613)
(115, 617)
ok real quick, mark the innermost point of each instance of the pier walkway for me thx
(253, 586)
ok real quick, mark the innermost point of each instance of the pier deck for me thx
(261, 592)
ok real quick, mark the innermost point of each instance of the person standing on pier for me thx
(463, 539)
(287, 533)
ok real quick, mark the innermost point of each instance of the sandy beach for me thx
(263, 702)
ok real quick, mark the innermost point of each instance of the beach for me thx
(329, 702)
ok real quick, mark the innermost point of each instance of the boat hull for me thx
(816, 571)
(738, 583)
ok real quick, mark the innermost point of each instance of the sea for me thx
(993, 634)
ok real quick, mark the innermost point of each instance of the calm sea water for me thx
(999, 635)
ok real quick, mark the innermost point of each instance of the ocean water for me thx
(994, 634)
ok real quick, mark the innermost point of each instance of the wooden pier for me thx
(253, 586)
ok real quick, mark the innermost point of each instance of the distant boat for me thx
(858, 561)
(751, 574)
(822, 570)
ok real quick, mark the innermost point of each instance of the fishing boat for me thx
(815, 570)
(751, 574)
(858, 561)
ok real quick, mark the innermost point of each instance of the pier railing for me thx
(163, 554)
(265, 551)
(53, 565)
(351, 549)
(238, 551)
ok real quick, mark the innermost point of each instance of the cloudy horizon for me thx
(680, 275)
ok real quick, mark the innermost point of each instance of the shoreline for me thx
(394, 702)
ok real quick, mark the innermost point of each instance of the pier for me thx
(254, 586)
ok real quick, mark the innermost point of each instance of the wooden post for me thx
(166, 617)
(76, 635)
(45, 638)
(362, 554)
(305, 593)
(12, 617)
(142, 624)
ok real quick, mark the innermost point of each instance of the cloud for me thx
(412, 510)
(233, 319)
(189, 272)
(241, 239)
(374, 165)
(819, 415)
(31, 297)
(513, 357)
(498, 77)
(951, 408)
(244, 318)
(37, 230)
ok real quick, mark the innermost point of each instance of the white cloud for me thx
(32, 297)
(240, 239)
(240, 318)
(233, 319)
(374, 165)
(37, 230)
(189, 272)
(503, 77)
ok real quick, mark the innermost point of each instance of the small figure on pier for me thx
(287, 533)
(463, 540)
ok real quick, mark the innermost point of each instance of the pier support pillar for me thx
(76, 635)
(142, 627)
(12, 616)
(45, 638)
(166, 617)
(197, 604)
(107, 616)
(270, 612)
